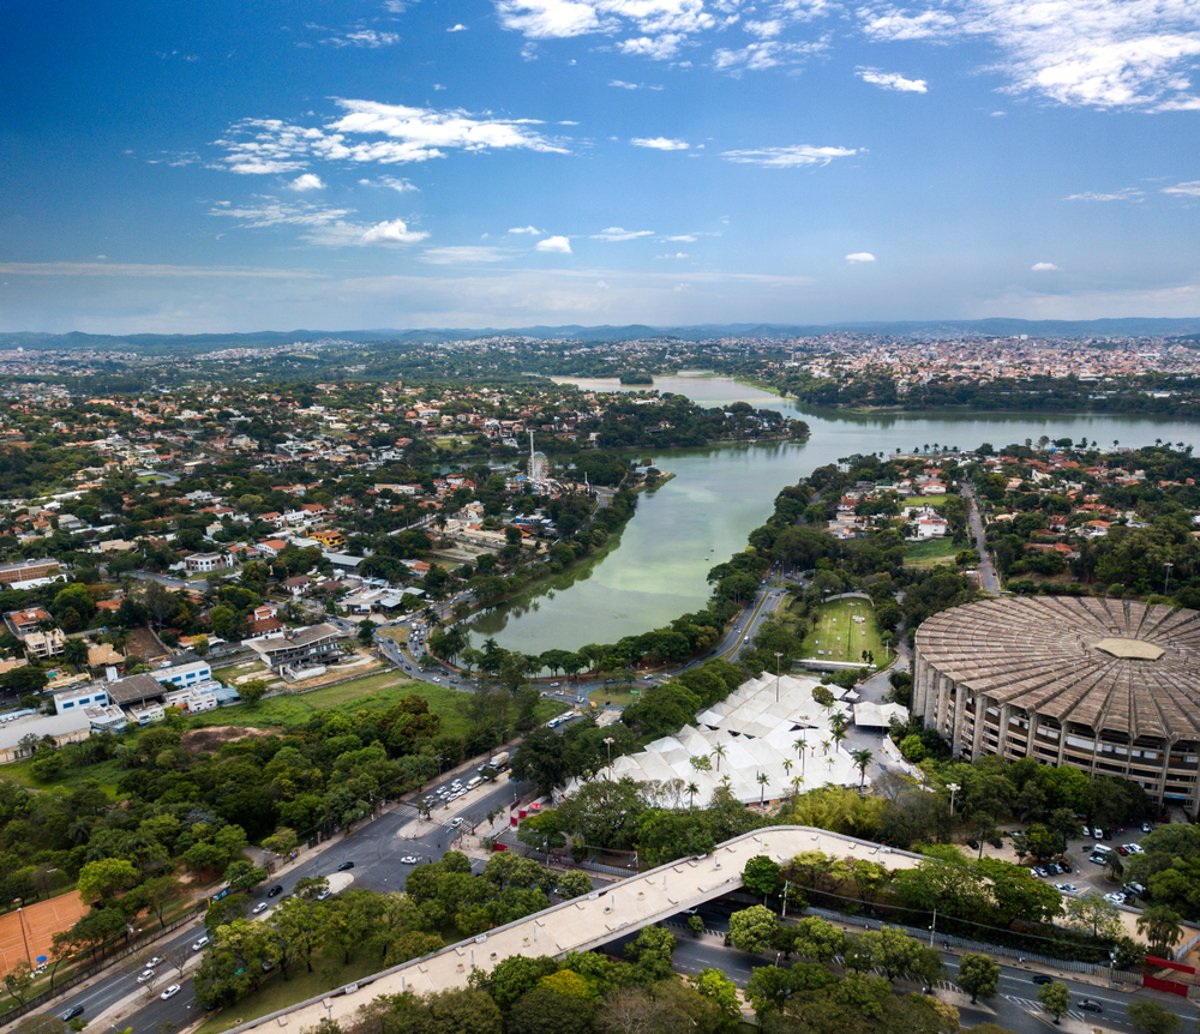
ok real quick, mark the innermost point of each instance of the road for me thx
(375, 848)
(1014, 1006)
(989, 580)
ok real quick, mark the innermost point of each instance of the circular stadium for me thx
(1109, 686)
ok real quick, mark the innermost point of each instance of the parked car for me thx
(1067, 888)
(1122, 850)
(1065, 867)
(170, 992)
(973, 845)
(275, 891)
(1146, 827)
(1041, 871)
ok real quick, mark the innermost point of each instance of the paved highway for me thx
(375, 848)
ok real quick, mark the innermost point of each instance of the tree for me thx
(1152, 1018)
(718, 988)
(572, 884)
(366, 632)
(1161, 926)
(761, 876)
(651, 952)
(1093, 913)
(978, 975)
(862, 758)
(242, 875)
(102, 879)
(160, 891)
(252, 691)
(1055, 998)
(752, 929)
(19, 980)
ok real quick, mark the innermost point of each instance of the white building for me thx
(79, 697)
(202, 563)
(184, 675)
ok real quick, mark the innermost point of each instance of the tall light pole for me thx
(953, 788)
(1167, 577)
(608, 742)
(24, 938)
(778, 655)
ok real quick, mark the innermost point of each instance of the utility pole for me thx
(953, 788)
(778, 655)
(932, 928)
(1167, 577)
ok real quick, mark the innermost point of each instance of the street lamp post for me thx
(24, 938)
(1167, 577)
(953, 788)
(608, 742)
(778, 655)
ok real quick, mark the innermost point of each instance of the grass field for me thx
(930, 552)
(106, 773)
(836, 636)
(934, 502)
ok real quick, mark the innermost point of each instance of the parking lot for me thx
(1088, 876)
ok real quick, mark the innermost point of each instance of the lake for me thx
(718, 496)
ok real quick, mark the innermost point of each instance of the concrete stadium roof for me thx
(1117, 665)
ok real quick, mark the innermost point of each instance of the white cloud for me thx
(400, 186)
(328, 227)
(621, 84)
(394, 231)
(657, 48)
(860, 256)
(673, 256)
(457, 27)
(305, 182)
(796, 156)
(768, 28)
(465, 254)
(554, 245)
(682, 238)
(146, 270)
(365, 38)
(754, 57)
(1189, 189)
(1090, 53)
(372, 132)
(1044, 267)
(526, 229)
(613, 234)
(660, 143)
(561, 19)
(892, 81)
(1124, 194)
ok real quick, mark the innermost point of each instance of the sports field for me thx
(838, 636)
(42, 920)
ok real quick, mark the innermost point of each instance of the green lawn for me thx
(841, 637)
(930, 552)
(934, 502)
(277, 993)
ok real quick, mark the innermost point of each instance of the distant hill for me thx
(1184, 328)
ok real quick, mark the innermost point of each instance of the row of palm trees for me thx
(862, 758)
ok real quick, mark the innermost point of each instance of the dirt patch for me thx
(30, 934)
(143, 643)
(211, 739)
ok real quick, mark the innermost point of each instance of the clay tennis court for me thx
(42, 920)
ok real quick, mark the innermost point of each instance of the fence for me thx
(954, 941)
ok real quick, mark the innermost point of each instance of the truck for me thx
(499, 761)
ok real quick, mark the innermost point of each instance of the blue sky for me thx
(214, 166)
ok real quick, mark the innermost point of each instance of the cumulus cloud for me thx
(660, 143)
(1124, 194)
(394, 231)
(1098, 53)
(305, 182)
(860, 256)
(373, 132)
(892, 81)
(1189, 189)
(526, 229)
(796, 156)
(681, 238)
(366, 38)
(457, 27)
(561, 19)
(466, 254)
(556, 245)
(613, 234)
(1044, 267)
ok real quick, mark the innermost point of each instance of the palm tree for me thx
(1161, 926)
(763, 780)
(801, 746)
(788, 765)
(838, 724)
(719, 752)
(691, 789)
(797, 782)
(862, 758)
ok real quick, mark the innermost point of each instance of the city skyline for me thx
(393, 164)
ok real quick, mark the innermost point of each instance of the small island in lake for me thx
(636, 377)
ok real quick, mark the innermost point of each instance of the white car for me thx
(260, 908)
(1115, 898)
(153, 961)
(145, 975)
(199, 944)
(1067, 888)
(456, 822)
(170, 992)
(409, 859)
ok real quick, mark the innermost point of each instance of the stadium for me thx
(1108, 686)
